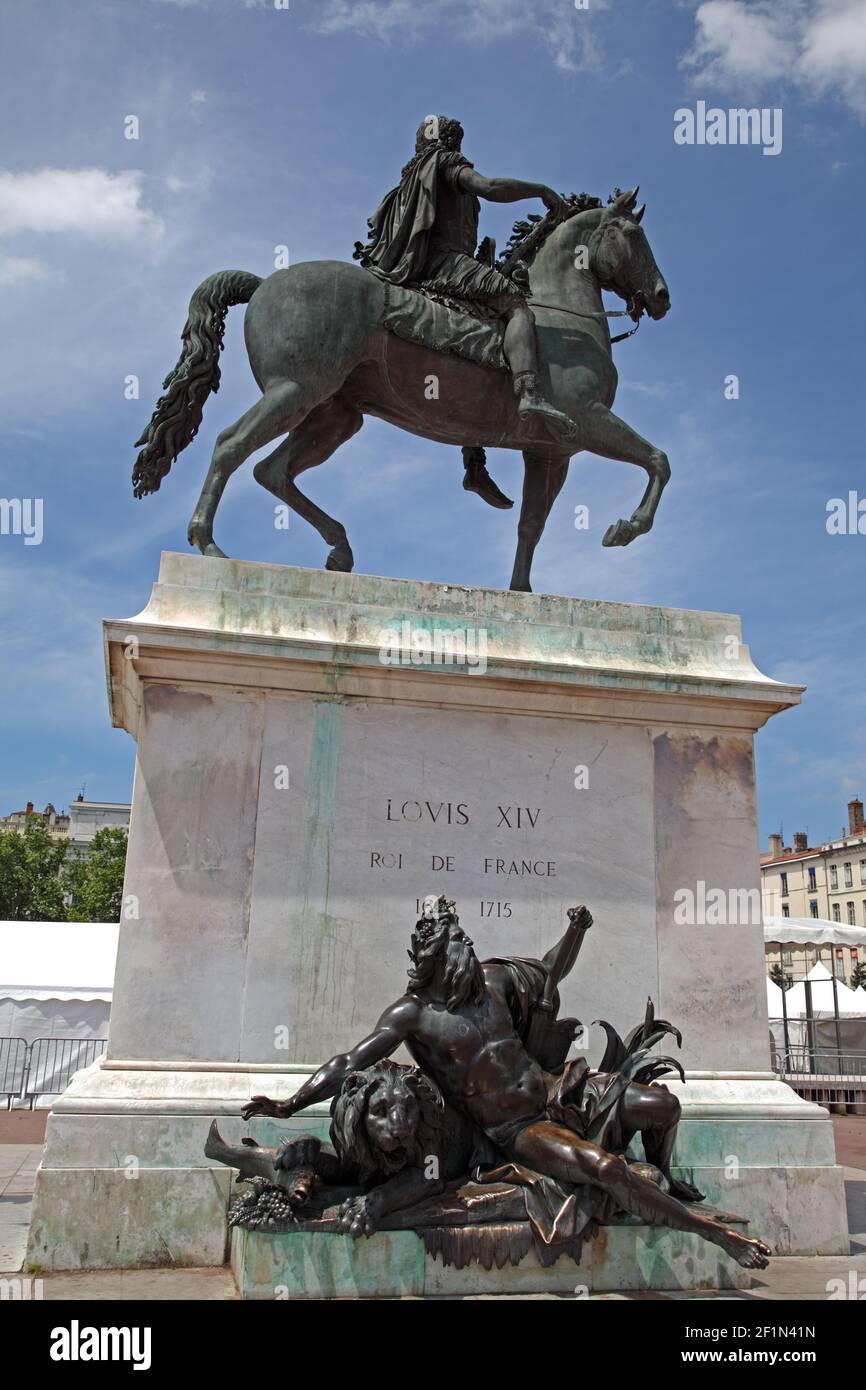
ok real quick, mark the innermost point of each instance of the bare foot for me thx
(746, 1250)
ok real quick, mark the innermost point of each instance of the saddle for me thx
(436, 322)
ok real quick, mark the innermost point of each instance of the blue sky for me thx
(260, 127)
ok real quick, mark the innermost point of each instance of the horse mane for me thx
(529, 234)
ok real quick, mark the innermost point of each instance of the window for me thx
(849, 878)
(787, 958)
(863, 872)
(837, 915)
(813, 907)
(784, 878)
(840, 964)
(834, 876)
(813, 881)
(852, 916)
(786, 910)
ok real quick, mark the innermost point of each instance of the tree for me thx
(778, 976)
(31, 865)
(93, 884)
(858, 976)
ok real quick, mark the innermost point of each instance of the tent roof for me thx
(811, 931)
(851, 1001)
(57, 960)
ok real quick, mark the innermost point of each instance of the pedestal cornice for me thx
(280, 628)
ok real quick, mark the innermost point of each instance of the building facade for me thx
(79, 825)
(55, 822)
(87, 818)
(826, 882)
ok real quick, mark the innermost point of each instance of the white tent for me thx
(774, 999)
(811, 931)
(851, 1001)
(56, 980)
(824, 1047)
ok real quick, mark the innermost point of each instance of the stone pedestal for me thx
(309, 765)
(394, 1264)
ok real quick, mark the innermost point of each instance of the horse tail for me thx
(175, 421)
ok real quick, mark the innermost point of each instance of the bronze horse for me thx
(323, 361)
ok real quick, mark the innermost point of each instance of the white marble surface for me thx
(285, 820)
(278, 757)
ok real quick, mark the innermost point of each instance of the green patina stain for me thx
(306, 1265)
(322, 774)
(320, 944)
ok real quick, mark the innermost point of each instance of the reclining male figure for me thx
(457, 1021)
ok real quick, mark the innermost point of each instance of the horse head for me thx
(621, 258)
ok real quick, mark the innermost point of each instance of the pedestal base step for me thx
(394, 1264)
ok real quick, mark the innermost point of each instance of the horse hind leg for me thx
(542, 484)
(314, 441)
(282, 407)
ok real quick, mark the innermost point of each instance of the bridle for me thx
(634, 310)
(635, 307)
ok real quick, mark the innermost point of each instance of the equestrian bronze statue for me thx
(434, 335)
(486, 1039)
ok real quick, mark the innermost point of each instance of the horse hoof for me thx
(341, 558)
(198, 536)
(620, 533)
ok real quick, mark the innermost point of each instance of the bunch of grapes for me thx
(265, 1208)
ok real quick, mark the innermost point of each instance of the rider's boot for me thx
(477, 479)
(531, 406)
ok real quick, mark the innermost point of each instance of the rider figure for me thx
(424, 235)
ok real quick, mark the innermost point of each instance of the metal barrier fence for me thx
(13, 1068)
(44, 1067)
(822, 1062)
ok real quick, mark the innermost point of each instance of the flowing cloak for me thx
(401, 226)
(588, 1103)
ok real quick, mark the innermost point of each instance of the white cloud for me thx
(15, 270)
(91, 203)
(834, 51)
(820, 46)
(565, 31)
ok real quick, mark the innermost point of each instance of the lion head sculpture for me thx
(386, 1118)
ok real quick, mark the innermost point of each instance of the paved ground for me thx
(793, 1278)
(22, 1126)
(850, 1133)
(18, 1164)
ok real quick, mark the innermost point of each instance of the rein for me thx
(539, 233)
(634, 311)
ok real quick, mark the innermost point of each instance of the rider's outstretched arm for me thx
(565, 952)
(506, 190)
(393, 1028)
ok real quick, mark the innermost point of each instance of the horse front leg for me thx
(542, 482)
(604, 433)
